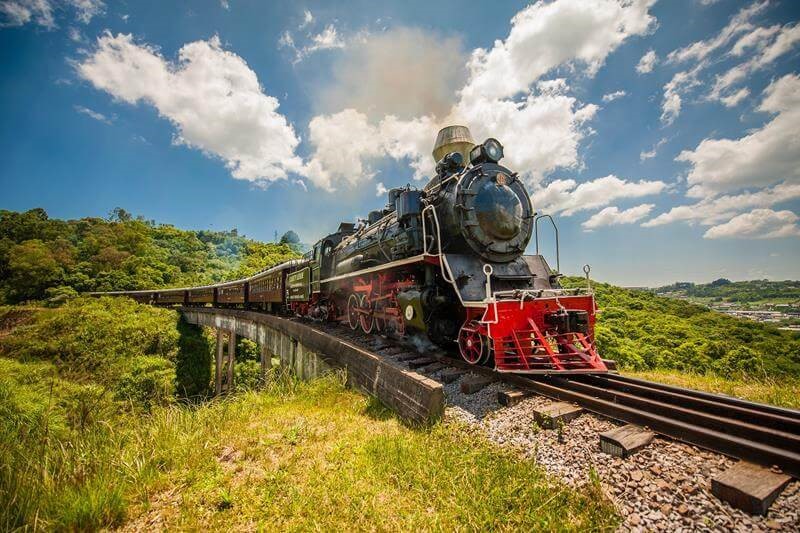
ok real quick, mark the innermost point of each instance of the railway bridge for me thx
(310, 352)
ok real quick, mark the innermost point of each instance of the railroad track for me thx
(759, 433)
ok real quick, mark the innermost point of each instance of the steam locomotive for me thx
(446, 261)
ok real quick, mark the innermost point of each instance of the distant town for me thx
(775, 302)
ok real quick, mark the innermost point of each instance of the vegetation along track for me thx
(759, 433)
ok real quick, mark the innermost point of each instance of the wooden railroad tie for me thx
(555, 414)
(449, 375)
(749, 487)
(510, 398)
(625, 440)
(419, 362)
(473, 384)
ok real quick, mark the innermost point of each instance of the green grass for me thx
(294, 456)
(783, 392)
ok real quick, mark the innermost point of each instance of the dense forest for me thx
(43, 258)
(736, 291)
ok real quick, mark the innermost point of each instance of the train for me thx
(446, 262)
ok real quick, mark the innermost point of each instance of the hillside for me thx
(643, 331)
(744, 292)
(42, 257)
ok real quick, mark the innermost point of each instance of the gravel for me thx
(665, 486)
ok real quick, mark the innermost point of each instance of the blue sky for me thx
(663, 135)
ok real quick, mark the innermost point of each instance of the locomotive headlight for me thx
(494, 150)
(491, 150)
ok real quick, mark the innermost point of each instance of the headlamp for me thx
(491, 150)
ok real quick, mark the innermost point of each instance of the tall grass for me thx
(291, 456)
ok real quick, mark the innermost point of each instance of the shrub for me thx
(148, 381)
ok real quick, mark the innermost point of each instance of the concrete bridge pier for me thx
(225, 362)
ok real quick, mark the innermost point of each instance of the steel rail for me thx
(746, 412)
(715, 433)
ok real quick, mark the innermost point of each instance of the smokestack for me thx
(453, 139)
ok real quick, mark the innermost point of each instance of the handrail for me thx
(536, 234)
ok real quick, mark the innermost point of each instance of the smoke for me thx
(405, 72)
(420, 343)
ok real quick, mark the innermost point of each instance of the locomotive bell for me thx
(453, 139)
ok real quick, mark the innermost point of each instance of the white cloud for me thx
(733, 100)
(19, 12)
(540, 133)
(610, 97)
(710, 211)
(328, 39)
(784, 41)
(680, 83)
(549, 34)
(647, 62)
(758, 224)
(210, 95)
(93, 114)
(539, 122)
(700, 52)
(756, 39)
(333, 162)
(41, 12)
(741, 22)
(86, 10)
(612, 216)
(308, 18)
(643, 156)
(568, 197)
(380, 189)
(765, 156)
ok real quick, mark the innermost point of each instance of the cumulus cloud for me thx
(380, 189)
(546, 35)
(334, 161)
(612, 216)
(92, 114)
(210, 95)
(568, 197)
(758, 224)
(647, 62)
(610, 97)
(540, 133)
(405, 72)
(768, 155)
(539, 122)
(710, 211)
(41, 12)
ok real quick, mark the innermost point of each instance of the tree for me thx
(290, 237)
(119, 215)
(32, 268)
